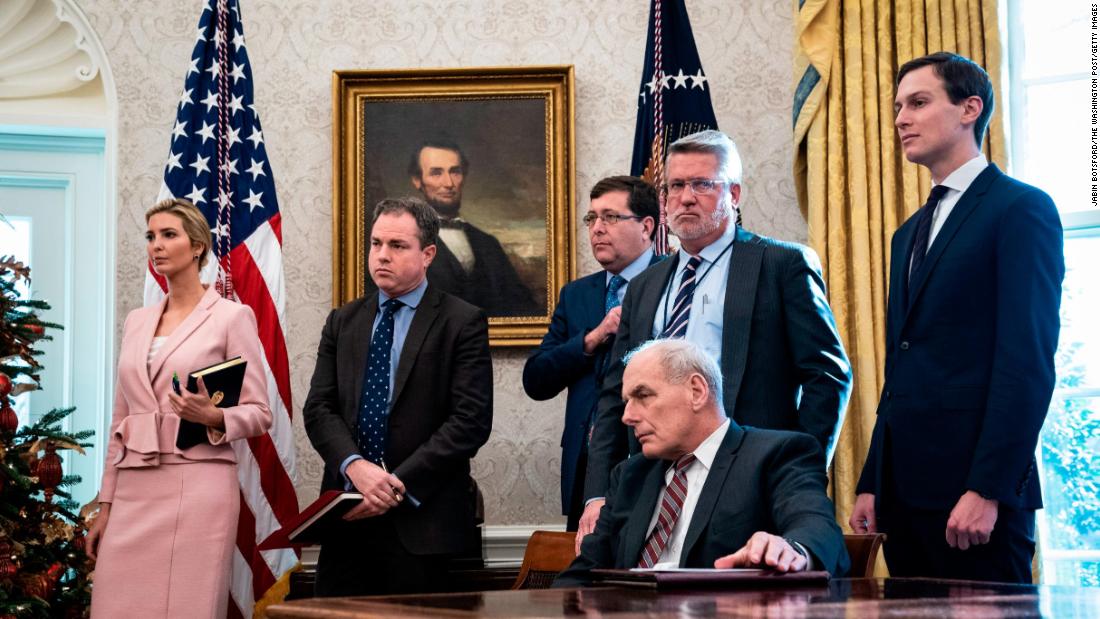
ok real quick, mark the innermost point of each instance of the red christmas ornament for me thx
(55, 571)
(36, 329)
(9, 421)
(37, 585)
(49, 471)
(5, 385)
(7, 566)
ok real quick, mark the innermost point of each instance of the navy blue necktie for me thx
(612, 300)
(677, 325)
(924, 228)
(374, 402)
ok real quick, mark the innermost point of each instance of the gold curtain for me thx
(853, 183)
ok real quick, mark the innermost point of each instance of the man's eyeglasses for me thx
(608, 219)
(699, 186)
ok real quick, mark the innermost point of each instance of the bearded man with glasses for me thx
(755, 304)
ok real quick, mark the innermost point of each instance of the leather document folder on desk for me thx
(688, 578)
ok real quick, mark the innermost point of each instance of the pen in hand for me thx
(396, 494)
(408, 497)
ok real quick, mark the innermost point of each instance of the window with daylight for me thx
(1050, 87)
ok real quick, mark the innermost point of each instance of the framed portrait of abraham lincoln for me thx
(491, 150)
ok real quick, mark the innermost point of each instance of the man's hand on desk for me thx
(587, 523)
(381, 491)
(765, 550)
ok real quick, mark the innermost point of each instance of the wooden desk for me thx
(863, 598)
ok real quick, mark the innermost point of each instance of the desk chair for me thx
(863, 551)
(547, 554)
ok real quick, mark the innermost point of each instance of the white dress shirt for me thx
(629, 272)
(456, 240)
(696, 476)
(708, 303)
(957, 183)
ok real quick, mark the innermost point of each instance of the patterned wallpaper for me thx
(294, 46)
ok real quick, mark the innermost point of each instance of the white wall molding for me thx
(47, 49)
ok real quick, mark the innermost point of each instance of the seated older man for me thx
(706, 492)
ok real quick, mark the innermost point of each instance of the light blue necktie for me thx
(612, 300)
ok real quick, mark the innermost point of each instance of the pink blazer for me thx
(143, 428)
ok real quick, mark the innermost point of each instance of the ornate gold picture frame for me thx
(492, 150)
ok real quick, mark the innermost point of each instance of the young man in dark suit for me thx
(400, 401)
(757, 305)
(705, 491)
(573, 354)
(971, 329)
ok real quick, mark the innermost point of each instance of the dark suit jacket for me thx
(970, 357)
(442, 411)
(560, 363)
(760, 480)
(783, 366)
(493, 285)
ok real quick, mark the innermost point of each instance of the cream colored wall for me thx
(294, 46)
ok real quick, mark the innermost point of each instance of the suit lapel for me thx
(899, 264)
(197, 316)
(744, 272)
(359, 335)
(425, 315)
(146, 331)
(963, 208)
(713, 487)
(638, 523)
(647, 304)
(594, 298)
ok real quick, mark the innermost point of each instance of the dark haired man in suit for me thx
(971, 329)
(471, 263)
(705, 491)
(573, 354)
(401, 399)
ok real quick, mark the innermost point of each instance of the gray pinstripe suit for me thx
(783, 366)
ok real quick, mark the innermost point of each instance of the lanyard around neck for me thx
(699, 280)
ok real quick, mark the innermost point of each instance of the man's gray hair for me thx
(427, 221)
(715, 143)
(680, 359)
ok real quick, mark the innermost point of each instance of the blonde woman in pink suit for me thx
(163, 540)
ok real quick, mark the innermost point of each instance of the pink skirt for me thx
(168, 546)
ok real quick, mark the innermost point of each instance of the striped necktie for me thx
(677, 325)
(672, 501)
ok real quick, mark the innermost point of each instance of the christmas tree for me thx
(43, 569)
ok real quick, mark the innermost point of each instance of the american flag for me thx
(674, 100)
(218, 161)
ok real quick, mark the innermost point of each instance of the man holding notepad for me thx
(706, 492)
(400, 401)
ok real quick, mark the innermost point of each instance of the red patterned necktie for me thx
(672, 501)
